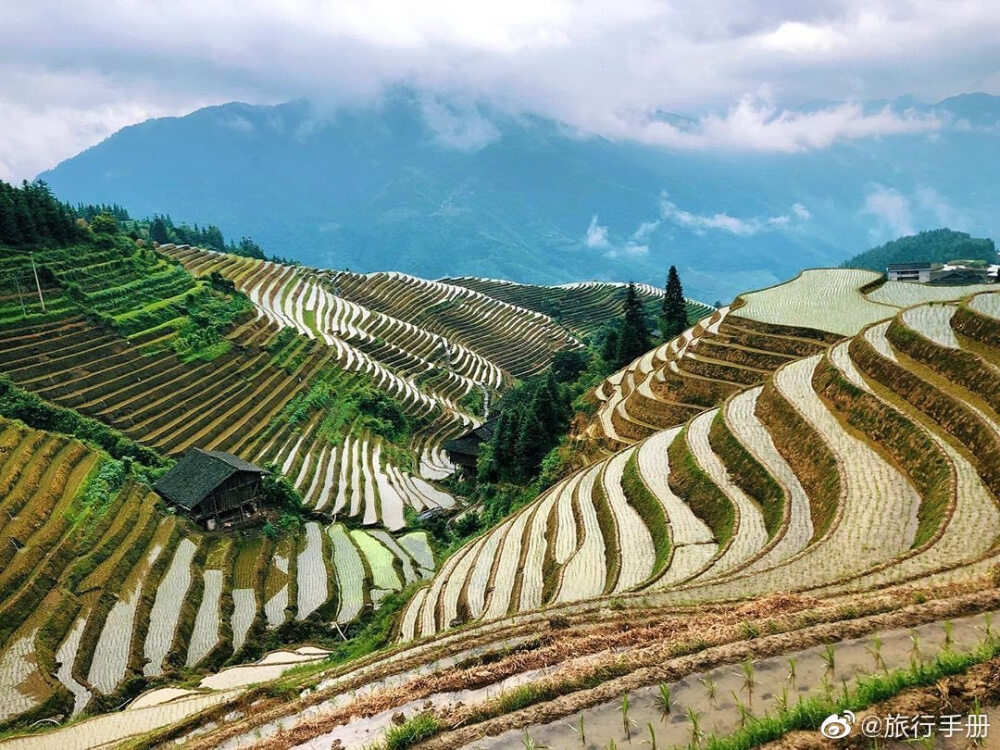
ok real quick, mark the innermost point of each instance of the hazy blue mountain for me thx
(435, 191)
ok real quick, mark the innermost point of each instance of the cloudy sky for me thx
(779, 75)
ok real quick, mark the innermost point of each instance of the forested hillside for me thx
(935, 246)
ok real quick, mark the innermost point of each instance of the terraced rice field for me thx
(719, 701)
(787, 487)
(428, 344)
(824, 299)
(637, 675)
(582, 307)
(431, 346)
(906, 294)
(94, 595)
(435, 348)
(239, 402)
(737, 347)
(805, 466)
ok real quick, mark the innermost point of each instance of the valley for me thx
(499, 376)
(811, 464)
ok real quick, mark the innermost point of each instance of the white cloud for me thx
(793, 36)
(609, 70)
(898, 213)
(756, 124)
(597, 236)
(701, 222)
(891, 209)
(723, 222)
(464, 129)
(937, 210)
(645, 229)
(239, 124)
(628, 250)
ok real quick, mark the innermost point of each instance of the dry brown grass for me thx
(657, 645)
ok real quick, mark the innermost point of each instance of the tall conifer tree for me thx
(673, 319)
(633, 338)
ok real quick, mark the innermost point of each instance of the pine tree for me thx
(633, 341)
(504, 441)
(674, 319)
(26, 230)
(546, 406)
(530, 448)
(8, 224)
(158, 230)
(609, 349)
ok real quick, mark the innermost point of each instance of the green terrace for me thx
(132, 339)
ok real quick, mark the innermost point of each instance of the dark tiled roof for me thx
(469, 443)
(235, 461)
(196, 475)
(466, 445)
(960, 276)
(908, 266)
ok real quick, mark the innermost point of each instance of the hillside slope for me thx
(107, 591)
(346, 384)
(739, 345)
(582, 306)
(835, 524)
(769, 491)
(936, 246)
(107, 345)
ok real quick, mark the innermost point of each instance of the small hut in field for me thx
(463, 451)
(216, 489)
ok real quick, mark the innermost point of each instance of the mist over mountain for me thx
(433, 189)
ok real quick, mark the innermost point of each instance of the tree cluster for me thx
(162, 230)
(533, 417)
(629, 337)
(89, 210)
(30, 216)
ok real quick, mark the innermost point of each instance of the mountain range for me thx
(435, 190)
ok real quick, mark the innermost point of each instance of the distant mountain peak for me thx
(439, 187)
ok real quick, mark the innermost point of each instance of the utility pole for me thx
(37, 282)
(24, 311)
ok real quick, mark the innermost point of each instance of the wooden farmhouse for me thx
(216, 489)
(463, 451)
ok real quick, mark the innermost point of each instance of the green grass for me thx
(748, 473)
(692, 484)
(651, 511)
(209, 352)
(100, 491)
(412, 731)
(807, 453)
(609, 528)
(810, 713)
(309, 318)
